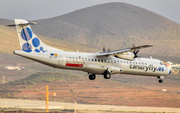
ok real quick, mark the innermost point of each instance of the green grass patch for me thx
(40, 77)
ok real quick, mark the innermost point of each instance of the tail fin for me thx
(29, 42)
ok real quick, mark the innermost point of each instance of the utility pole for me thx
(47, 99)
(75, 107)
(47, 96)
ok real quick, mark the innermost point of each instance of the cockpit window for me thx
(161, 63)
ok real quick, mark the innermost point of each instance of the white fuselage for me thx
(88, 62)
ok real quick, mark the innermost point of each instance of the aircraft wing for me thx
(112, 52)
(122, 50)
(140, 47)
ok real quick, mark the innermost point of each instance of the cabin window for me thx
(111, 61)
(145, 63)
(95, 60)
(118, 61)
(85, 58)
(114, 61)
(89, 59)
(73, 57)
(76, 58)
(124, 62)
(108, 61)
(101, 60)
(92, 60)
(98, 60)
(70, 57)
(105, 60)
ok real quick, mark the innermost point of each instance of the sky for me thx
(41, 9)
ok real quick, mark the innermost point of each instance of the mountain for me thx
(114, 25)
(5, 21)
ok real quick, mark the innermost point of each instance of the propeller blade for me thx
(108, 49)
(134, 52)
(133, 45)
(103, 48)
(137, 52)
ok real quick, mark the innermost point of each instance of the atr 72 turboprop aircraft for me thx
(106, 63)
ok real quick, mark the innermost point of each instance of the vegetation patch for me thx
(40, 77)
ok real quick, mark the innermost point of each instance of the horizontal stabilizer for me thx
(23, 24)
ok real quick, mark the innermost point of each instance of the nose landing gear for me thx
(160, 79)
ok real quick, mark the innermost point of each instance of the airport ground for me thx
(32, 104)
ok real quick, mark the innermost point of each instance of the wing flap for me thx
(112, 52)
(140, 47)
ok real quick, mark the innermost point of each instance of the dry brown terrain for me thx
(100, 92)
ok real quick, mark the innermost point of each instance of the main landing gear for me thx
(92, 76)
(107, 75)
(160, 79)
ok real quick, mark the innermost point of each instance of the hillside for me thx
(115, 25)
(5, 21)
(9, 42)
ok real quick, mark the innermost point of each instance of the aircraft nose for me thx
(169, 71)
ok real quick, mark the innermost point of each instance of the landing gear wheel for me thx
(107, 75)
(92, 76)
(160, 81)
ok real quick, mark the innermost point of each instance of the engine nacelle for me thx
(125, 55)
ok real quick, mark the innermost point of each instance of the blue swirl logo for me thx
(27, 47)
(26, 35)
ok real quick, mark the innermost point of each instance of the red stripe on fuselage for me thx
(74, 65)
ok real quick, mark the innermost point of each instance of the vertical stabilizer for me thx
(29, 42)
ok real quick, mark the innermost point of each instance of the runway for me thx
(18, 103)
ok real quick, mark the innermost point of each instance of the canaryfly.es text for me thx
(146, 68)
